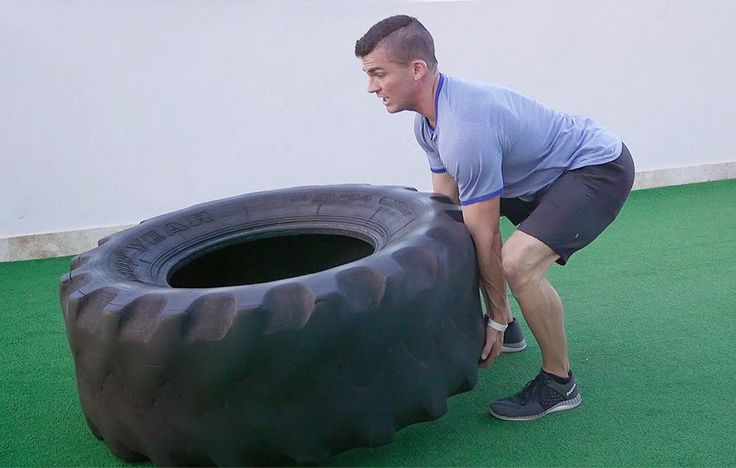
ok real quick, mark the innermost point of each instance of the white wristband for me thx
(495, 325)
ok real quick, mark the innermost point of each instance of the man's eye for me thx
(380, 75)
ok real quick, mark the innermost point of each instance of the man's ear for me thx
(419, 69)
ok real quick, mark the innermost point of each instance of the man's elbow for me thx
(482, 220)
(482, 234)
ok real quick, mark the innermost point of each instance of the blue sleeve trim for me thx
(438, 171)
(481, 198)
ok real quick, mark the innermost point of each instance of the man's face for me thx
(393, 83)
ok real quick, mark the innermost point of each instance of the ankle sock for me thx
(558, 379)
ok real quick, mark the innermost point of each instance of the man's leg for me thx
(568, 216)
(525, 260)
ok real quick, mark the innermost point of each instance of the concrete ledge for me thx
(684, 175)
(56, 244)
(74, 242)
(4, 251)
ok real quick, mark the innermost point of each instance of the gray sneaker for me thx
(513, 338)
(539, 397)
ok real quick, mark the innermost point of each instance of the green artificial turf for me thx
(651, 324)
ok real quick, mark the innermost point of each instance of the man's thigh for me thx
(579, 205)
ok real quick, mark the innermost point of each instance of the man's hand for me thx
(492, 348)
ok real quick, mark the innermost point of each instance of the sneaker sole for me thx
(562, 406)
(514, 347)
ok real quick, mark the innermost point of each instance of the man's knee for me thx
(524, 260)
(516, 266)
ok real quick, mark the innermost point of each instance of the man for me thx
(561, 178)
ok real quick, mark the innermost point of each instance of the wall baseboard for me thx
(73, 242)
(56, 244)
(684, 175)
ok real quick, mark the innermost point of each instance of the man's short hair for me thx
(405, 38)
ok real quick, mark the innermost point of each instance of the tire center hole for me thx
(268, 259)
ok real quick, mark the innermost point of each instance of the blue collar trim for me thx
(437, 100)
(437, 96)
(433, 131)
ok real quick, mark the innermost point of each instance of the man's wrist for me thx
(499, 315)
(490, 323)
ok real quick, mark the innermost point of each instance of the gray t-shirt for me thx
(496, 142)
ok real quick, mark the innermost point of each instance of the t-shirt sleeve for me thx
(435, 163)
(433, 157)
(474, 159)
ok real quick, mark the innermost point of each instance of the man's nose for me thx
(372, 85)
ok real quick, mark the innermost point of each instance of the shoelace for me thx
(531, 387)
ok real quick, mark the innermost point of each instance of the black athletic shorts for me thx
(576, 208)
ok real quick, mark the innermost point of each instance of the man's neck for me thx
(428, 109)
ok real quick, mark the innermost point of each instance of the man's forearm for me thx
(444, 184)
(492, 280)
(451, 193)
(482, 220)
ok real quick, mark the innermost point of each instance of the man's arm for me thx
(482, 220)
(444, 183)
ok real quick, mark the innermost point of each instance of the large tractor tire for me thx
(275, 326)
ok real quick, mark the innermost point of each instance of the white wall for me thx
(114, 111)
